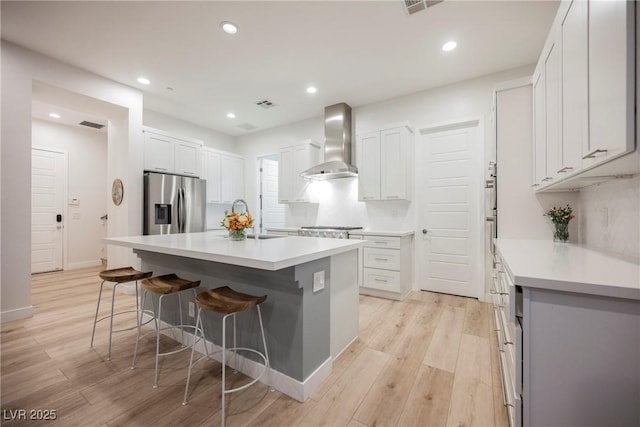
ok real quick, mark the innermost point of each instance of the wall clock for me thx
(117, 191)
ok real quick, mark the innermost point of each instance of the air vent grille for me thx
(414, 6)
(266, 104)
(247, 126)
(91, 124)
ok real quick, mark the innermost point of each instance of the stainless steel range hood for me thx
(337, 146)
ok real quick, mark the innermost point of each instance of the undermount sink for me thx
(264, 236)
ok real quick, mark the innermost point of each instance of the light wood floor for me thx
(430, 360)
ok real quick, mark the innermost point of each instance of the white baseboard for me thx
(300, 391)
(16, 314)
(83, 264)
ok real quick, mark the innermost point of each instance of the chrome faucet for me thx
(246, 209)
(239, 201)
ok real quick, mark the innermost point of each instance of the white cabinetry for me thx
(384, 160)
(386, 265)
(292, 188)
(567, 334)
(584, 102)
(168, 154)
(224, 173)
(575, 84)
(611, 66)
(231, 178)
(211, 173)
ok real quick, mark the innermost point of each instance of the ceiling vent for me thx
(91, 124)
(414, 6)
(247, 126)
(266, 104)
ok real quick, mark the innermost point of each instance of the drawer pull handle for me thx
(565, 169)
(382, 259)
(380, 280)
(548, 178)
(593, 153)
(381, 243)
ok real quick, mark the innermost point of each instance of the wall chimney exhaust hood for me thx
(337, 146)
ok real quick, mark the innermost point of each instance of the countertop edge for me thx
(234, 260)
(383, 233)
(545, 280)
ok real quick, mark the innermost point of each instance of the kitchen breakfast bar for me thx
(305, 330)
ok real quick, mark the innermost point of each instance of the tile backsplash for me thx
(611, 216)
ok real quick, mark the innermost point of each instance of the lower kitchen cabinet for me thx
(387, 264)
(568, 330)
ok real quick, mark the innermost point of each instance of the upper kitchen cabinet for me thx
(575, 87)
(584, 96)
(224, 173)
(167, 154)
(292, 188)
(611, 80)
(211, 173)
(384, 160)
(231, 178)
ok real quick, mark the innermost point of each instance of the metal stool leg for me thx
(113, 300)
(135, 350)
(266, 352)
(193, 349)
(159, 317)
(224, 362)
(95, 321)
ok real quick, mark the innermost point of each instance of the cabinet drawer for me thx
(383, 280)
(388, 259)
(382, 242)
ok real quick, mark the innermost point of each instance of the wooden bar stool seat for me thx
(227, 302)
(162, 286)
(118, 276)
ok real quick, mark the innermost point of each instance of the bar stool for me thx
(118, 276)
(169, 284)
(227, 302)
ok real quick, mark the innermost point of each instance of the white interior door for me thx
(449, 240)
(272, 211)
(47, 203)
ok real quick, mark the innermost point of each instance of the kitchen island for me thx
(306, 330)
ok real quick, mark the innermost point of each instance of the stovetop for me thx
(330, 227)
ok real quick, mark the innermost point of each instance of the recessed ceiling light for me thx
(449, 46)
(231, 115)
(144, 80)
(54, 115)
(311, 89)
(228, 27)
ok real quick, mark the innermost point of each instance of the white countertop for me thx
(569, 267)
(264, 254)
(383, 233)
(282, 229)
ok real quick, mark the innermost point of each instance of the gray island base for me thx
(305, 330)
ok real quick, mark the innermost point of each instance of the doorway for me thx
(48, 177)
(271, 212)
(449, 240)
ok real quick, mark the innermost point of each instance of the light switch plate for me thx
(318, 281)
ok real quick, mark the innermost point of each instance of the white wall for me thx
(609, 215)
(86, 181)
(469, 99)
(22, 71)
(178, 127)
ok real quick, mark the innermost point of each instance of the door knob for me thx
(425, 231)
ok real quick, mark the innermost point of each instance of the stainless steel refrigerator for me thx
(173, 204)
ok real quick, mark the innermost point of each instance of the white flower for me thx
(242, 219)
(226, 223)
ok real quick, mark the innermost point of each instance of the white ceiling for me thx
(358, 52)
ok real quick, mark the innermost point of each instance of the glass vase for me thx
(561, 232)
(237, 235)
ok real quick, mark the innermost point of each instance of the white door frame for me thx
(258, 219)
(65, 179)
(478, 121)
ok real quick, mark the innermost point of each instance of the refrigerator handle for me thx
(180, 203)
